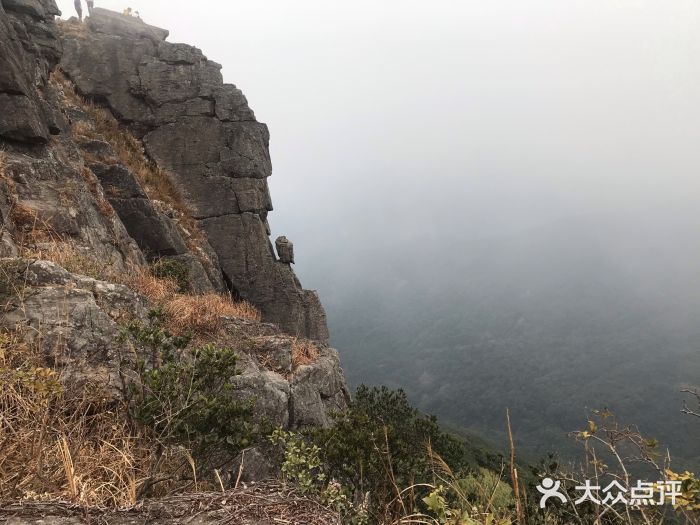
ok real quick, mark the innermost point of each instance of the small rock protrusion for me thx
(285, 250)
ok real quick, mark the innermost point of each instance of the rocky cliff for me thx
(121, 151)
(202, 132)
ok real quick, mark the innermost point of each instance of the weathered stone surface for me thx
(28, 50)
(199, 279)
(97, 150)
(105, 67)
(22, 120)
(51, 198)
(162, 82)
(153, 232)
(112, 23)
(319, 391)
(117, 181)
(285, 250)
(231, 104)
(73, 318)
(30, 7)
(203, 132)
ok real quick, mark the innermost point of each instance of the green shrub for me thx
(185, 396)
(173, 270)
(380, 443)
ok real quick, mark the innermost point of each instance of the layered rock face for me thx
(204, 134)
(43, 191)
(63, 183)
(29, 49)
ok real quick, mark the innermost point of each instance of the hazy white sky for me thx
(457, 117)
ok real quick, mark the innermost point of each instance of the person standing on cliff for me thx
(78, 9)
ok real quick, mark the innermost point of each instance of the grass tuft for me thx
(58, 441)
(203, 314)
(304, 352)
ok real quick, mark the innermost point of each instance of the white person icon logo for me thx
(550, 489)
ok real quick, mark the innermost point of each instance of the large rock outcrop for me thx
(63, 184)
(204, 134)
(43, 190)
(77, 319)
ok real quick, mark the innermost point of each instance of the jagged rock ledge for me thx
(203, 133)
(63, 181)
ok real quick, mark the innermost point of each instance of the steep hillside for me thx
(136, 273)
(551, 322)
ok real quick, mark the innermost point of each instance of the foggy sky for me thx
(456, 118)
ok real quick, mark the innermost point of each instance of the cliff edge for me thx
(134, 239)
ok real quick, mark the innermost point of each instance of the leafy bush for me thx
(380, 443)
(185, 396)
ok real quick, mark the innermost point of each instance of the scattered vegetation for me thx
(184, 313)
(373, 464)
(103, 126)
(3, 164)
(57, 441)
(183, 396)
(173, 270)
(68, 255)
(304, 352)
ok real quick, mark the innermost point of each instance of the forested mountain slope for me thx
(590, 312)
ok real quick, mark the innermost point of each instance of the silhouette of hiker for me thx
(79, 9)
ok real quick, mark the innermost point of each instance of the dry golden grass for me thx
(73, 442)
(64, 252)
(144, 282)
(304, 352)
(202, 314)
(4, 175)
(93, 184)
(72, 28)
(61, 442)
(23, 216)
(199, 314)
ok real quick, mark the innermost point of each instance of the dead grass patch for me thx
(61, 442)
(153, 288)
(24, 217)
(47, 246)
(202, 314)
(74, 442)
(304, 352)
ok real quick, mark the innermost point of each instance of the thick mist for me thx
(496, 200)
(456, 118)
